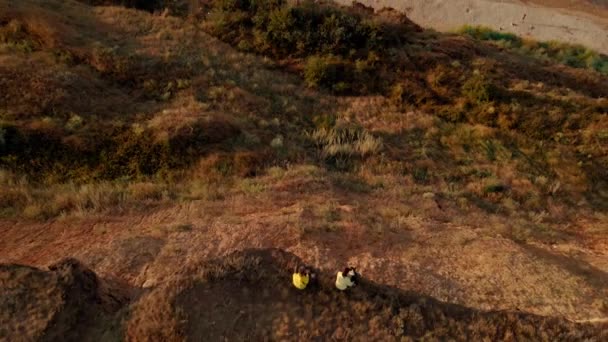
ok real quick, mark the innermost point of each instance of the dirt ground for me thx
(581, 22)
(243, 296)
(429, 252)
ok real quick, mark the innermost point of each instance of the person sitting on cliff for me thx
(302, 277)
(347, 278)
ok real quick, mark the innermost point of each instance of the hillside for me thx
(214, 301)
(465, 170)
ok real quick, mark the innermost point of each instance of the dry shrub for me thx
(411, 91)
(146, 191)
(344, 143)
(29, 91)
(242, 164)
(47, 28)
(13, 197)
(249, 164)
(444, 80)
(154, 318)
(212, 167)
(190, 128)
(36, 211)
(98, 197)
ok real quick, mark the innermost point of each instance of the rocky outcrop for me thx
(66, 302)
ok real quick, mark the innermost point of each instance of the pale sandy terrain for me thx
(559, 20)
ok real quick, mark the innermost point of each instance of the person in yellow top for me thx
(302, 276)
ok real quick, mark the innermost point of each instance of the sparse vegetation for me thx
(576, 56)
(477, 90)
(56, 133)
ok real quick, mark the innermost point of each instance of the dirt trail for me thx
(563, 21)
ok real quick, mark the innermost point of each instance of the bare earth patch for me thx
(579, 22)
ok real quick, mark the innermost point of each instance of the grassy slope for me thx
(93, 97)
(109, 110)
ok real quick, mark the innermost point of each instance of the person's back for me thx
(346, 279)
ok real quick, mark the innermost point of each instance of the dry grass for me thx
(19, 198)
(111, 111)
(278, 311)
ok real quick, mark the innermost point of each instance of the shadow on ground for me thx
(247, 295)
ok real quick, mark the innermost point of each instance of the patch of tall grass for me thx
(341, 145)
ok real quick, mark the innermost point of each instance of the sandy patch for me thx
(559, 20)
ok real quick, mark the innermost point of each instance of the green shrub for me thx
(328, 71)
(421, 175)
(494, 188)
(308, 29)
(228, 25)
(338, 45)
(127, 152)
(573, 55)
(477, 89)
(486, 33)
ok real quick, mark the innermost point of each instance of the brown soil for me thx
(247, 295)
(259, 302)
(68, 302)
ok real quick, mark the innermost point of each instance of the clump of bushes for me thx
(15, 35)
(477, 89)
(337, 46)
(486, 33)
(573, 55)
(411, 91)
(328, 71)
(44, 154)
(285, 30)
